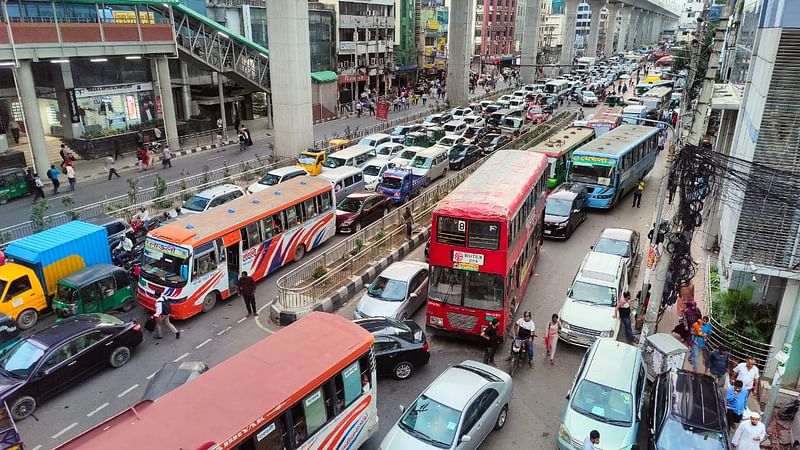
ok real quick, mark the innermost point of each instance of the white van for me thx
(431, 162)
(517, 103)
(276, 176)
(373, 172)
(457, 127)
(588, 311)
(353, 156)
(345, 180)
(374, 140)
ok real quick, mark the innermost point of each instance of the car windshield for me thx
(399, 131)
(456, 152)
(592, 174)
(349, 205)
(496, 140)
(593, 293)
(603, 404)
(388, 289)
(372, 170)
(367, 141)
(556, 207)
(433, 119)
(306, 160)
(21, 359)
(535, 110)
(196, 203)
(421, 162)
(392, 182)
(333, 162)
(431, 422)
(66, 294)
(385, 151)
(612, 247)
(165, 261)
(479, 290)
(588, 94)
(269, 180)
(447, 142)
(676, 435)
(488, 139)
(408, 154)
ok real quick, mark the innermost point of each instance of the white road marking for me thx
(242, 319)
(69, 427)
(97, 410)
(180, 357)
(223, 331)
(200, 345)
(216, 157)
(122, 394)
(145, 176)
(37, 447)
(258, 322)
(151, 375)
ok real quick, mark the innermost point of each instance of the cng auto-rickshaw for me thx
(12, 184)
(337, 144)
(9, 332)
(615, 100)
(94, 289)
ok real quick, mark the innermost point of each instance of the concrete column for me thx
(530, 40)
(635, 24)
(33, 122)
(71, 130)
(658, 28)
(624, 28)
(167, 101)
(594, 27)
(186, 91)
(290, 76)
(611, 29)
(568, 40)
(459, 50)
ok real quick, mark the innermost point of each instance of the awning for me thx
(406, 68)
(324, 76)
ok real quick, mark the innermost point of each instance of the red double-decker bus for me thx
(485, 242)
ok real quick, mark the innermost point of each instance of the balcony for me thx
(349, 21)
(349, 47)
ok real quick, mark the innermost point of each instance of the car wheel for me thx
(301, 251)
(23, 407)
(568, 232)
(127, 305)
(209, 302)
(403, 370)
(27, 319)
(357, 227)
(501, 418)
(119, 357)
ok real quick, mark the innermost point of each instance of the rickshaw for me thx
(12, 184)
(615, 100)
(94, 289)
(663, 352)
(9, 333)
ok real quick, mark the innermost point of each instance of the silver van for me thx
(353, 156)
(345, 180)
(431, 162)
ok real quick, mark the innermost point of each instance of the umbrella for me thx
(625, 77)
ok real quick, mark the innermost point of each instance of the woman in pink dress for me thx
(551, 337)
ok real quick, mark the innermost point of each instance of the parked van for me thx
(431, 163)
(276, 176)
(588, 311)
(374, 140)
(456, 127)
(514, 126)
(345, 180)
(353, 156)
(607, 395)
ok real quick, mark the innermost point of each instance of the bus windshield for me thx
(465, 288)
(592, 174)
(165, 261)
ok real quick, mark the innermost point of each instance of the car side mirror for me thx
(412, 295)
(41, 374)
(366, 286)
(465, 438)
(569, 392)
(591, 247)
(402, 408)
(576, 210)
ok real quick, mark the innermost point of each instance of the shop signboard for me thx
(72, 102)
(383, 111)
(113, 89)
(344, 79)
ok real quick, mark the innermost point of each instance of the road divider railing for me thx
(308, 285)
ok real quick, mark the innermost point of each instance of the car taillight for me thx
(425, 346)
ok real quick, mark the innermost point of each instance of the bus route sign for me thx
(593, 160)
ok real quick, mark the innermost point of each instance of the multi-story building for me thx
(494, 36)
(688, 21)
(583, 24)
(432, 23)
(550, 30)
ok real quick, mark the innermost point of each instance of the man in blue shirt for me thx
(735, 402)
(718, 364)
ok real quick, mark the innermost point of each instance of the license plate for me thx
(548, 232)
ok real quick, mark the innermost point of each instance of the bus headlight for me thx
(436, 321)
(563, 433)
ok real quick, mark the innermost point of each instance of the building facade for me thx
(494, 30)
(550, 31)
(688, 21)
(432, 27)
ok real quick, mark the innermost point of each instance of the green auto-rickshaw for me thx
(94, 289)
(615, 100)
(12, 184)
(9, 333)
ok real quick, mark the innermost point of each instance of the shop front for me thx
(109, 110)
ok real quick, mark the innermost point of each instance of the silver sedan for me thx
(397, 292)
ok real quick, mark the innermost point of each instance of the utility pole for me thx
(695, 134)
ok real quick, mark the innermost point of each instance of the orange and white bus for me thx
(605, 119)
(198, 258)
(311, 385)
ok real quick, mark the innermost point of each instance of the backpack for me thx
(166, 307)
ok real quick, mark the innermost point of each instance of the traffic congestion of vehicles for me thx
(486, 242)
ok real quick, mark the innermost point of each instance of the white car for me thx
(460, 111)
(211, 197)
(450, 141)
(473, 120)
(374, 140)
(388, 150)
(587, 98)
(405, 157)
(397, 292)
(276, 176)
(373, 172)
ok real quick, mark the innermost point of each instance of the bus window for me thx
(325, 198)
(451, 231)
(291, 216)
(310, 415)
(205, 263)
(250, 236)
(310, 208)
(351, 383)
(271, 437)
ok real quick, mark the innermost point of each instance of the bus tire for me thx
(27, 319)
(299, 252)
(209, 302)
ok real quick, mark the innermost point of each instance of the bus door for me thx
(232, 255)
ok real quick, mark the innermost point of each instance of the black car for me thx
(686, 411)
(474, 133)
(400, 346)
(61, 356)
(549, 103)
(492, 142)
(565, 209)
(462, 155)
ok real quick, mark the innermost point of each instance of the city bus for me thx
(485, 241)
(311, 385)
(558, 150)
(657, 99)
(197, 259)
(605, 119)
(644, 86)
(559, 88)
(612, 164)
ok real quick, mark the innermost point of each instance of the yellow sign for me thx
(466, 266)
(146, 18)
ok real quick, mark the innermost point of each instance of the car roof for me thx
(619, 234)
(339, 172)
(219, 190)
(695, 400)
(403, 270)
(609, 359)
(364, 195)
(281, 171)
(379, 162)
(376, 136)
(455, 387)
(382, 326)
(455, 122)
(71, 326)
(562, 195)
(600, 266)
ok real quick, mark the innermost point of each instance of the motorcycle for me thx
(519, 353)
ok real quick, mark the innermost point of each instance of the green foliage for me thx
(713, 281)
(185, 189)
(69, 207)
(244, 169)
(735, 311)
(226, 171)
(39, 219)
(319, 272)
(359, 245)
(159, 190)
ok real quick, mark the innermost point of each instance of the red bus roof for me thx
(487, 193)
(251, 387)
(607, 114)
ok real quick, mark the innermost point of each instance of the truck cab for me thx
(23, 298)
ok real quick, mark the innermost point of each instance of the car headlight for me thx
(436, 321)
(561, 225)
(565, 325)
(347, 222)
(358, 314)
(607, 333)
(563, 433)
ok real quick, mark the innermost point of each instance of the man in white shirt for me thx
(747, 373)
(163, 311)
(523, 330)
(749, 434)
(591, 442)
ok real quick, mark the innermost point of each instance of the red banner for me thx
(383, 111)
(344, 79)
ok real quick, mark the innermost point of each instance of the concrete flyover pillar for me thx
(658, 28)
(460, 50)
(71, 129)
(568, 39)
(594, 26)
(186, 91)
(33, 121)
(530, 40)
(635, 24)
(167, 100)
(624, 28)
(611, 28)
(290, 76)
